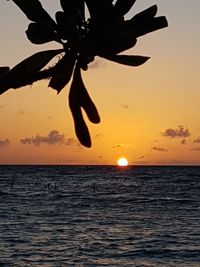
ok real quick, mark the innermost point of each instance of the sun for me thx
(122, 162)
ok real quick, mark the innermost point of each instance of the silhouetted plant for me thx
(105, 33)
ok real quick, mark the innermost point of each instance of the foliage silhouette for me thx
(105, 33)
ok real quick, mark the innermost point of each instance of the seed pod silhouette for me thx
(83, 98)
(81, 128)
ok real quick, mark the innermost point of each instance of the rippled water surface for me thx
(99, 216)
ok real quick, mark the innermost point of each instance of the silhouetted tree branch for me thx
(105, 33)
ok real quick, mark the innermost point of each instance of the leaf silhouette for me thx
(157, 24)
(123, 6)
(34, 11)
(116, 42)
(61, 24)
(128, 60)
(39, 33)
(146, 15)
(145, 22)
(22, 73)
(76, 8)
(3, 70)
(124, 35)
(96, 9)
(62, 72)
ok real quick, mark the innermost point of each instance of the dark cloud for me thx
(125, 106)
(4, 142)
(120, 146)
(49, 117)
(98, 135)
(141, 157)
(197, 140)
(183, 142)
(180, 132)
(159, 149)
(117, 146)
(197, 149)
(72, 142)
(53, 138)
(21, 112)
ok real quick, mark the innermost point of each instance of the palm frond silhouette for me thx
(105, 33)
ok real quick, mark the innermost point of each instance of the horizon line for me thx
(93, 165)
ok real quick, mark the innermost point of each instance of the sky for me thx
(149, 114)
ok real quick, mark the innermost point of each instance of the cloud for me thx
(120, 146)
(125, 106)
(99, 135)
(117, 146)
(71, 142)
(183, 142)
(1, 107)
(52, 138)
(4, 142)
(197, 140)
(180, 132)
(197, 149)
(141, 157)
(159, 149)
(49, 117)
(21, 112)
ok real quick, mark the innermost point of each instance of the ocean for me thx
(138, 216)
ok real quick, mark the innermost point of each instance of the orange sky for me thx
(149, 114)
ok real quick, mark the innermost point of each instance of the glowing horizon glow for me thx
(136, 105)
(122, 162)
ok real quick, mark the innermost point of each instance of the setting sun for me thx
(122, 162)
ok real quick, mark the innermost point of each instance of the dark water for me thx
(99, 216)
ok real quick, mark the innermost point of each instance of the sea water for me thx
(99, 216)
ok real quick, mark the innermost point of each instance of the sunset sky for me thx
(149, 114)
